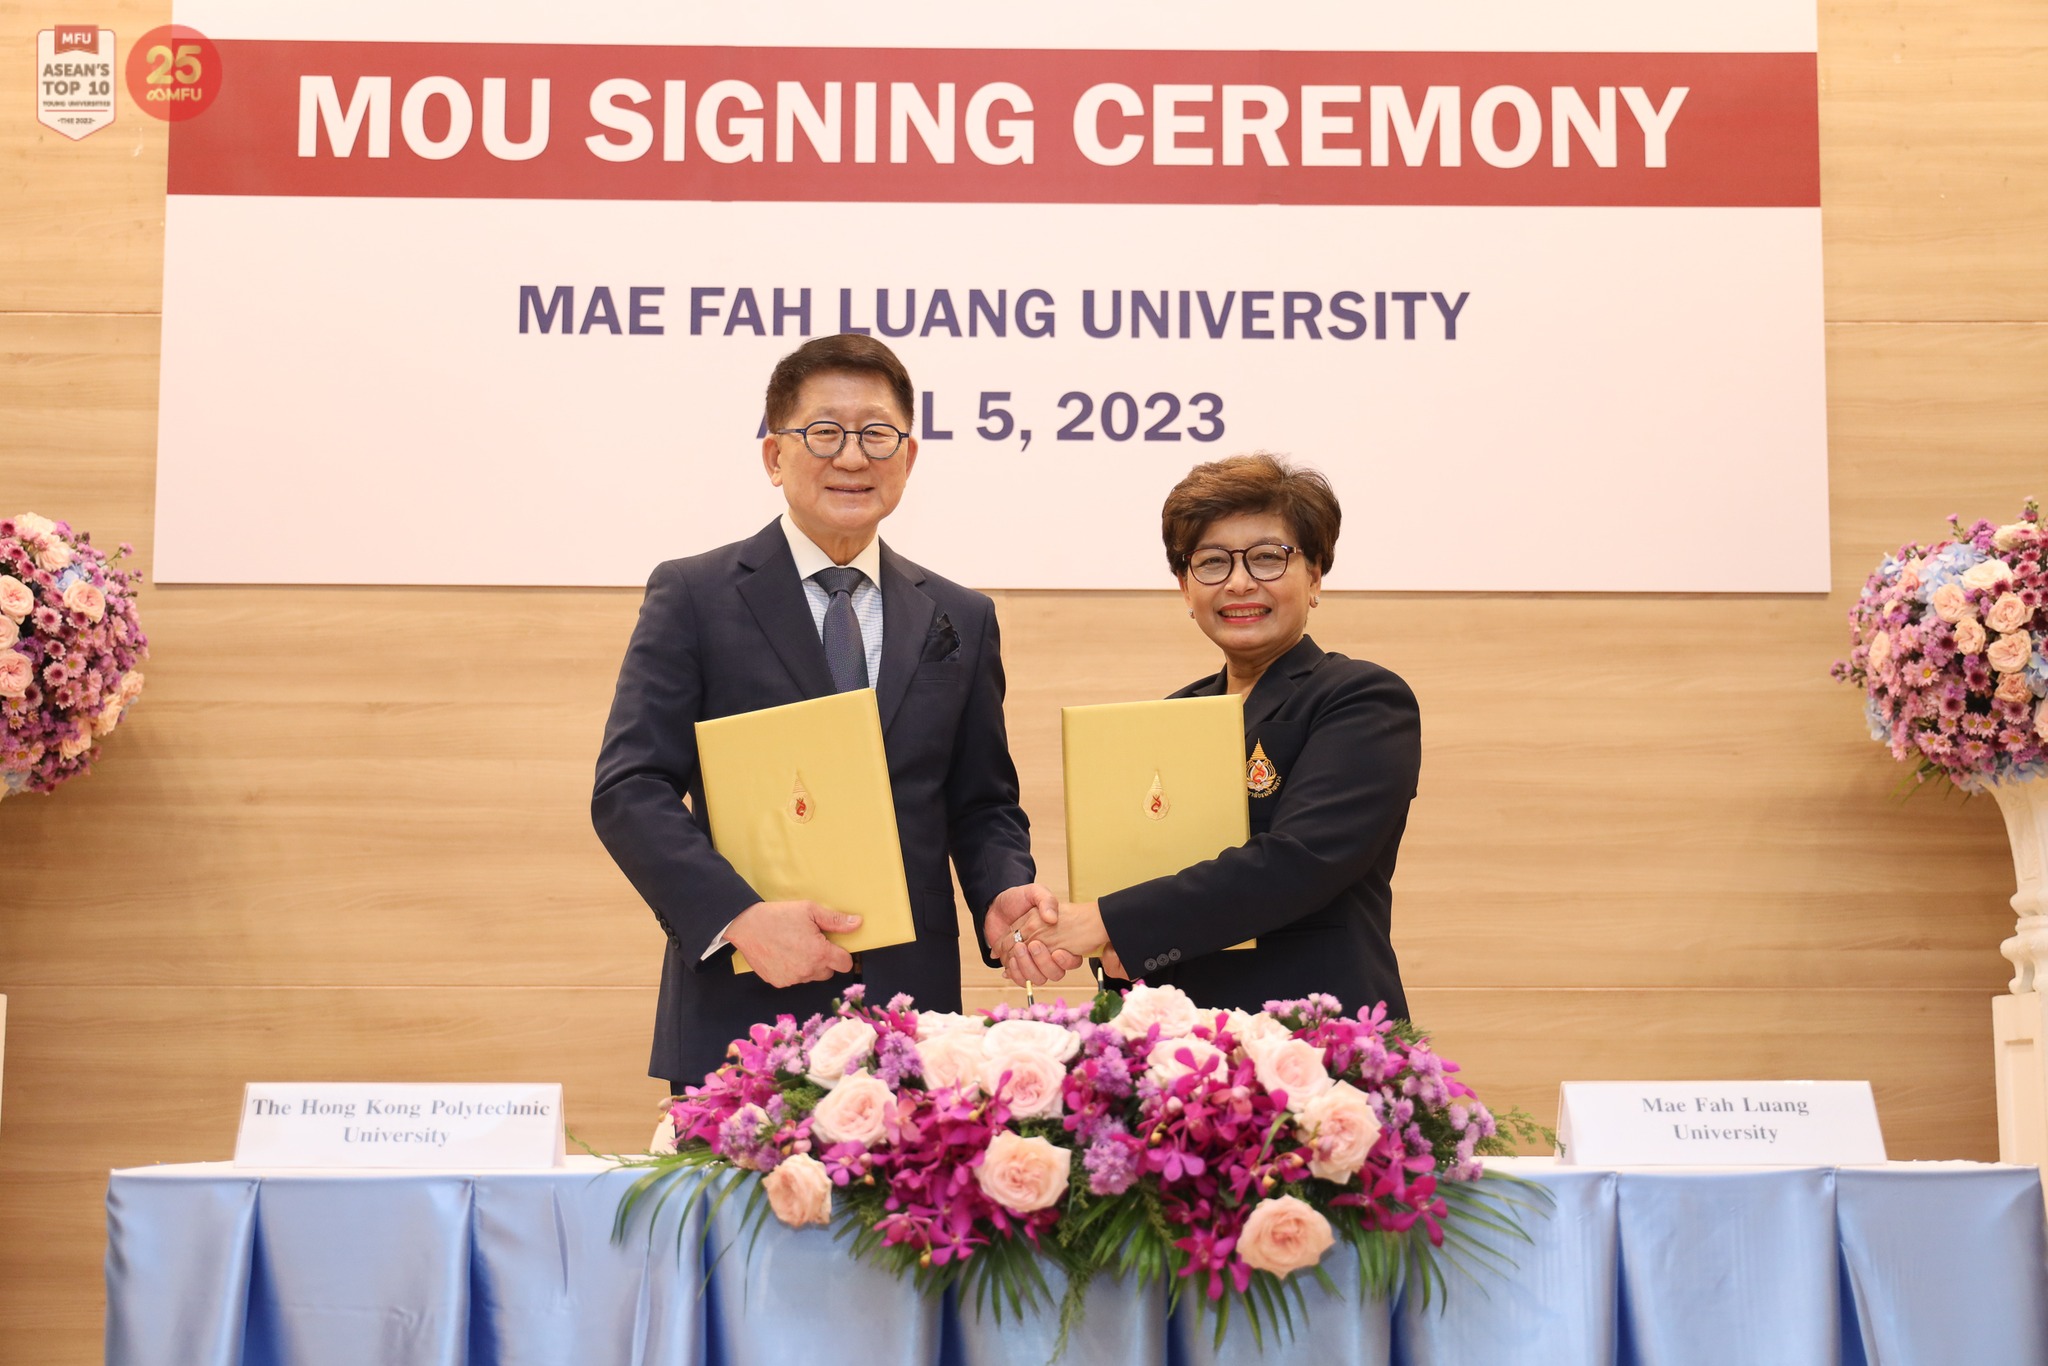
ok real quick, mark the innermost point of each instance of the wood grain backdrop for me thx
(344, 834)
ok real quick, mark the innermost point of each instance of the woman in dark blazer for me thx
(1332, 749)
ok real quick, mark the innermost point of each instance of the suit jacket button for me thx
(1151, 964)
(1173, 955)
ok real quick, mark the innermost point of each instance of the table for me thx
(1908, 1264)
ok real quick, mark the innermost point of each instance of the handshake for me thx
(1041, 941)
(1038, 939)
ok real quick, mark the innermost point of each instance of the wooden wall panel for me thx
(346, 833)
(1934, 159)
(81, 224)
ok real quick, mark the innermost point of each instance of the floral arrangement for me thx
(1144, 1137)
(69, 646)
(1951, 646)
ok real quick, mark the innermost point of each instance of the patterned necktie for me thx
(846, 654)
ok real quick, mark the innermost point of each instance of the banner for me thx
(458, 296)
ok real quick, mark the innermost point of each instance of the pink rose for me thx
(1030, 1083)
(799, 1191)
(1342, 1129)
(87, 600)
(1023, 1174)
(1006, 1038)
(2008, 613)
(9, 632)
(16, 673)
(1168, 1007)
(2013, 688)
(75, 745)
(932, 1023)
(30, 524)
(1172, 1059)
(1970, 635)
(951, 1059)
(1950, 602)
(1291, 1065)
(131, 686)
(53, 555)
(1880, 650)
(2041, 721)
(15, 599)
(1987, 575)
(109, 717)
(857, 1110)
(1284, 1235)
(838, 1048)
(2009, 654)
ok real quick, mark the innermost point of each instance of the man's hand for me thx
(1113, 966)
(785, 942)
(1024, 908)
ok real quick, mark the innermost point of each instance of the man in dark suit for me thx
(814, 604)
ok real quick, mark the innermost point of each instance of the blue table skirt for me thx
(1912, 1264)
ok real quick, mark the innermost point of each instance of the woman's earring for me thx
(1315, 602)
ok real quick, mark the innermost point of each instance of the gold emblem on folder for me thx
(1156, 805)
(1261, 779)
(802, 805)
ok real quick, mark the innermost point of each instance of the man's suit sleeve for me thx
(1346, 797)
(649, 762)
(986, 830)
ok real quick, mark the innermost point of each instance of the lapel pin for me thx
(1261, 779)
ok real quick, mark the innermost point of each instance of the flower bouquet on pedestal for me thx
(1951, 650)
(1145, 1137)
(70, 645)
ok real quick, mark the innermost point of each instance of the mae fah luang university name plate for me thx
(1718, 1123)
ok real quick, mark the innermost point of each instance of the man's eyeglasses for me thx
(878, 440)
(1212, 563)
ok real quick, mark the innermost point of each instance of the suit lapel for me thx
(775, 595)
(1279, 683)
(906, 620)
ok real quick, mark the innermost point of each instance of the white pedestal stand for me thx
(2019, 1022)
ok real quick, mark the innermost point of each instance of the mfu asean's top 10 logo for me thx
(75, 79)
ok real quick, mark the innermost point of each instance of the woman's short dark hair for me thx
(1253, 483)
(842, 351)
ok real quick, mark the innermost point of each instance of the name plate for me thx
(1717, 1123)
(468, 1126)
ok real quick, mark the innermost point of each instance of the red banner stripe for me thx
(1744, 131)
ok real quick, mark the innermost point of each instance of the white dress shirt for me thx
(867, 595)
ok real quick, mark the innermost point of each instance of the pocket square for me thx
(941, 643)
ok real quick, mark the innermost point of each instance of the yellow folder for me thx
(799, 802)
(1152, 787)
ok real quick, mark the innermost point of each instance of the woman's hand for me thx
(1078, 931)
(1024, 964)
